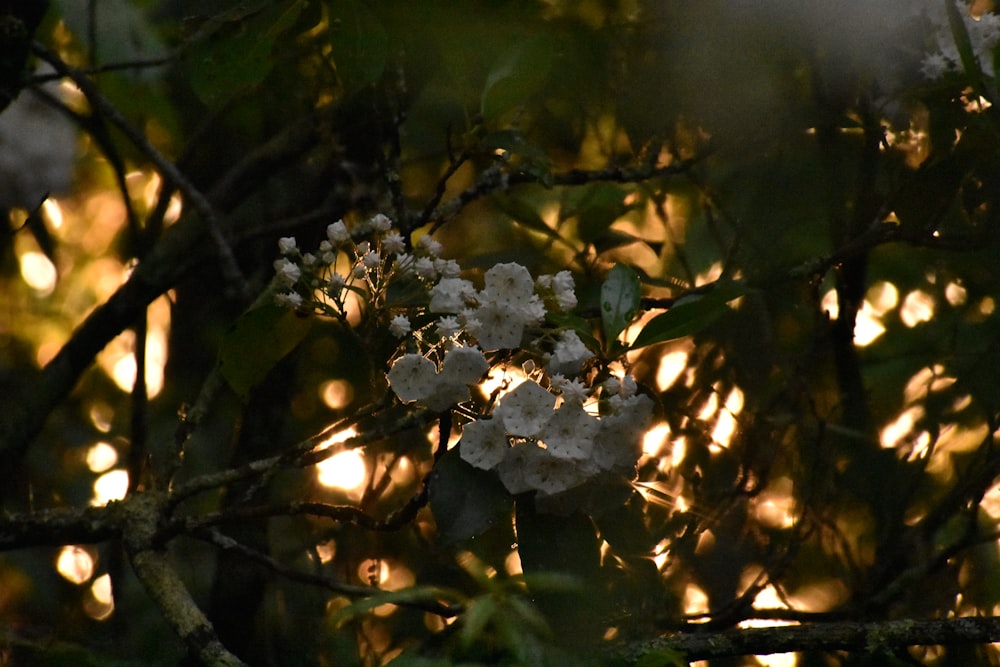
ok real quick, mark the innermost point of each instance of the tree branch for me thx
(875, 637)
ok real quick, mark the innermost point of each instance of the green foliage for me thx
(689, 317)
(466, 501)
(619, 302)
(258, 340)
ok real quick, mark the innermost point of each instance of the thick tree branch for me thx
(873, 638)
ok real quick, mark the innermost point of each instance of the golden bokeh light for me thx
(336, 394)
(901, 427)
(38, 272)
(504, 378)
(918, 306)
(670, 368)
(655, 439)
(117, 360)
(112, 485)
(75, 564)
(345, 470)
(101, 457)
(512, 563)
(100, 603)
(695, 600)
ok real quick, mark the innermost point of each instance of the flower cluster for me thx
(535, 445)
(358, 260)
(556, 430)
(944, 58)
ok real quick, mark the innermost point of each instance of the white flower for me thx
(935, 66)
(563, 287)
(569, 354)
(393, 243)
(551, 474)
(412, 377)
(533, 310)
(287, 246)
(362, 248)
(450, 295)
(380, 223)
(484, 444)
(430, 247)
(569, 433)
(359, 271)
(288, 299)
(499, 327)
(399, 326)
(424, 267)
(618, 443)
(464, 365)
(572, 391)
(525, 410)
(447, 326)
(518, 459)
(628, 387)
(288, 272)
(371, 259)
(447, 268)
(337, 233)
(508, 283)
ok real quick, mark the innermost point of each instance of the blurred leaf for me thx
(466, 501)
(358, 41)
(620, 296)
(476, 619)
(415, 594)
(688, 317)
(234, 53)
(124, 31)
(599, 207)
(258, 340)
(520, 75)
(565, 544)
(524, 213)
(662, 658)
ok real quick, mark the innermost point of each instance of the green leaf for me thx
(233, 53)
(663, 657)
(466, 501)
(521, 74)
(689, 317)
(415, 594)
(524, 213)
(619, 301)
(257, 342)
(600, 206)
(359, 43)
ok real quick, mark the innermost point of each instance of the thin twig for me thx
(230, 269)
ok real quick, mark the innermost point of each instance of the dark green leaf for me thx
(359, 43)
(688, 317)
(257, 342)
(620, 295)
(663, 657)
(519, 75)
(466, 501)
(524, 213)
(236, 55)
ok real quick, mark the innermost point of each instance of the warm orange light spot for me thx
(918, 306)
(670, 368)
(655, 438)
(955, 294)
(101, 603)
(695, 600)
(336, 394)
(38, 272)
(101, 457)
(75, 564)
(901, 427)
(504, 378)
(112, 485)
(512, 563)
(345, 470)
(101, 415)
(326, 551)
